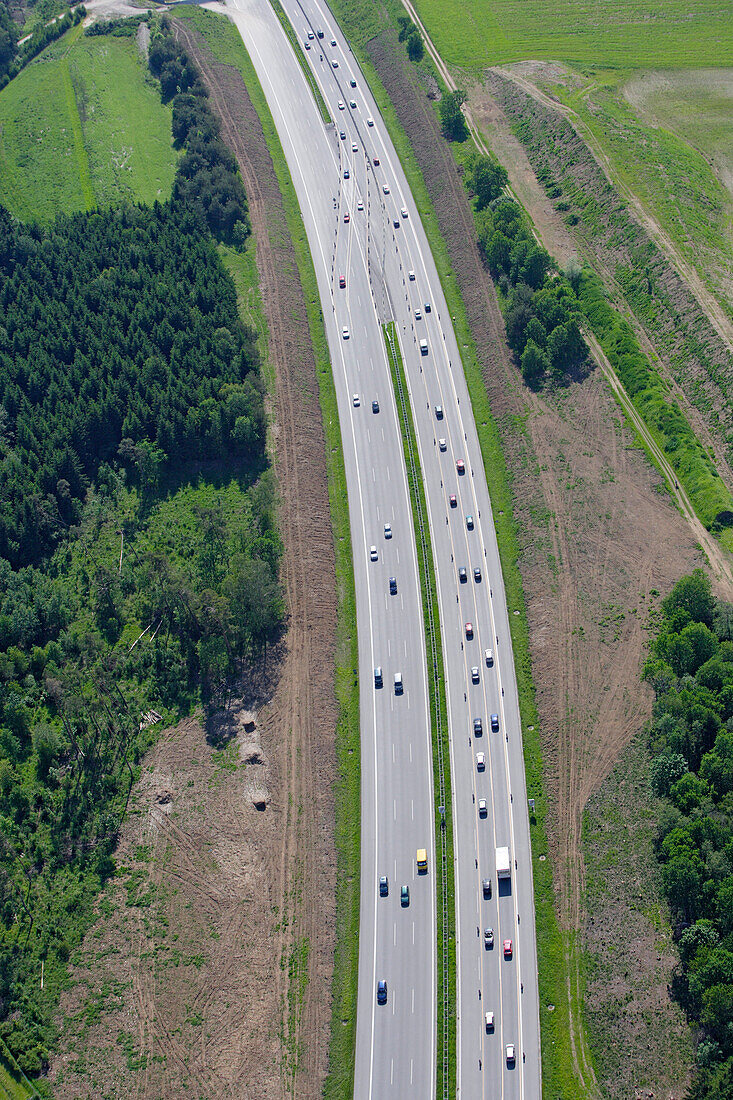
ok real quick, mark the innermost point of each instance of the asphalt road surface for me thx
(383, 256)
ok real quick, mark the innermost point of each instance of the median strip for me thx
(445, 883)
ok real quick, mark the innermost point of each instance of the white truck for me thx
(503, 866)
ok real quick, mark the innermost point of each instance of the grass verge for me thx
(445, 881)
(298, 51)
(228, 47)
(558, 953)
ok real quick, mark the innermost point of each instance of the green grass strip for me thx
(558, 953)
(298, 50)
(228, 47)
(80, 153)
(444, 875)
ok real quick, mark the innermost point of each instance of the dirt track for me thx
(214, 966)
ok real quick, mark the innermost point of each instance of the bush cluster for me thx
(540, 306)
(409, 33)
(691, 671)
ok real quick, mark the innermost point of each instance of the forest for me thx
(139, 550)
(690, 668)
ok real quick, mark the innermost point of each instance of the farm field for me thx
(613, 33)
(83, 126)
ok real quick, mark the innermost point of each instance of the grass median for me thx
(445, 882)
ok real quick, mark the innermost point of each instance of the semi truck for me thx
(503, 866)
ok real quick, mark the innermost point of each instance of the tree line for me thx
(12, 59)
(690, 668)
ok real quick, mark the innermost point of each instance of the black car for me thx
(477, 574)
(375, 406)
(478, 727)
(393, 586)
(381, 992)
(495, 723)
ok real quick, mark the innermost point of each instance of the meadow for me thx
(680, 127)
(611, 33)
(83, 126)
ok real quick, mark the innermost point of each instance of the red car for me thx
(469, 630)
(453, 501)
(347, 216)
(507, 945)
(342, 281)
(460, 467)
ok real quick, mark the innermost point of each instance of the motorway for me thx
(383, 255)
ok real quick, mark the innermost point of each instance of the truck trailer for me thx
(503, 866)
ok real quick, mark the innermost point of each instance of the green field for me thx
(680, 126)
(83, 126)
(612, 33)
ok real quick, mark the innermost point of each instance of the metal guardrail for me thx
(443, 1040)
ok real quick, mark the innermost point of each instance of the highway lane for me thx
(486, 981)
(396, 1042)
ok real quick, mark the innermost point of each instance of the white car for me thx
(403, 211)
(442, 444)
(418, 315)
(480, 761)
(370, 121)
(489, 657)
(411, 276)
(373, 553)
(482, 810)
(388, 530)
(335, 63)
(359, 204)
(510, 1054)
(345, 333)
(385, 188)
(354, 147)
(474, 674)
(489, 1018)
(342, 105)
(356, 400)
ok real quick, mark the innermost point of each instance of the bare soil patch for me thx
(597, 530)
(207, 972)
